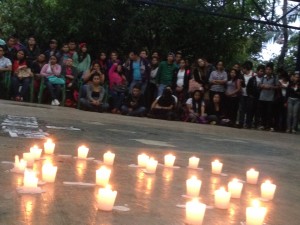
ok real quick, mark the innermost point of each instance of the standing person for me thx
(93, 101)
(253, 92)
(180, 84)
(165, 73)
(117, 86)
(65, 54)
(32, 50)
(22, 76)
(114, 58)
(52, 69)
(53, 50)
(293, 104)
(178, 57)
(139, 71)
(134, 104)
(151, 92)
(233, 90)
(218, 80)
(9, 48)
(269, 85)
(72, 47)
(244, 100)
(82, 59)
(196, 107)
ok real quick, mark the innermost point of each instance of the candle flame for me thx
(255, 203)
(195, 200)
(108, 187)
(222, 189)
(252, 169)
(217, 161)
(49, 140)
(194, 178)
(268, 182)
(235, 180)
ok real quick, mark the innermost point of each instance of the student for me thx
(201, 73)
(95, 95)
(253, 92)
(5, 63)
(232, 93)
(218, 80)
(82, 59)
(196, 107)
(165, 73)
(269, 85)
(244, 100)
(214, 111)
(22, 76)
(53, 50)
(293, 104)
(72, 47)
(178, 57)
(93, 69)
(151, 92)
(52, 69)
(163, 107)
(102, 61)
(32, 50)
(134, 104)
(65, 54)
(36, 68)
(114, 58)
(9, 48)
(117, 86)
(180, 84)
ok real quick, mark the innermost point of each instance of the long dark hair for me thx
(24, 57)
(81, 55)
(236, 75)
(199, 102)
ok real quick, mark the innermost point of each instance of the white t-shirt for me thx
(4, 62)
(175, 98)
(180, 78)
(247, 78)
(190, 102)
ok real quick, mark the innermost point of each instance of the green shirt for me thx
(165, 73)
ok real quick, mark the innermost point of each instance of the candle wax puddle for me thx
(171, 167)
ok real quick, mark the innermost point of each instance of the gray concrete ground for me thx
(151, 198)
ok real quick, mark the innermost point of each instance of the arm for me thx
(89, 93)
(57, 70)
(158, 74)
(202, 109)
(44, 70)
(4, 69)
(75, 59)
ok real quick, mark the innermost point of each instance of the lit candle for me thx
(235, 188)
(36, 152)
(20, 165)
(267, 190)
(30, 179)
(109, 158)
(49, 147)
(142, 160)
(222, 198)
(194, 211)
(216, 167)
(252, 176)
(106, 198)
(102, 176)
(151, 165)
(29, 158)
(49, 172)
(255, 215)
(193, 186)
(83, 152)
(169, 160)
(194, 162)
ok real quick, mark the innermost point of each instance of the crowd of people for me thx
(149, 85)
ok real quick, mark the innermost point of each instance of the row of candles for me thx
(194, 209)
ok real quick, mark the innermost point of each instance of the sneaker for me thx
(53, 102)
(288, 131)
(294, 131)
(261, 128)
(272, 129)
(56, 102)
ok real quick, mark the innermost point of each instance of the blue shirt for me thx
(136, 70)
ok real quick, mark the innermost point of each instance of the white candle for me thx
(49, 147)
(109, 158)
(194, 162)
(30, 179)
(29, 158)
(193, 186)
(252, 176)
(255, 215)
(106, 198)
(142, 160)
(83, 152)
(36, 152)
(102, 176)
(235, 188)
(267, 190)
(20, 165)
(222, 198)
(151, 165)
(195, 212)
(49, 172)
(216, 167)
(169, 160)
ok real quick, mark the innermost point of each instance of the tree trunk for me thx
(280, 63)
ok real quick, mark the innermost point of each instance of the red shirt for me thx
(17, 64)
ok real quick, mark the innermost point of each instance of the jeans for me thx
(266, 108)
(140, 111)
(244, 110)
(232, 105)
(16, 83)
(54, 89)
(160, 90)
(117, 98)
(143, 85)
(293, 113)
(87, 105)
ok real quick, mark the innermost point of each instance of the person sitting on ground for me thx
(196, 107)
(163, 107)
(134, 104)
(22, 76)
(53, 69)
(214, 111)
(94, 95)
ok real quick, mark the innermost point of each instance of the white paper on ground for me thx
(244, 223)
(98, 161)
(224, 175)
(153, 142)
(146, 172)
(65, 156)
(135, 166)
(195, 168)
(24, 190)
(7, 162)
(79, 184)
(180, 206)
(121, 208)
(190, 197)
(87, 159)
(15, 170)
(63, 128)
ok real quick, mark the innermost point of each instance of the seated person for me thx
(5, 66)
(164, 106)
(94, 96)
(134, 104)
(70, 73)
(214, 111)
(196, 107)
(36, 68)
